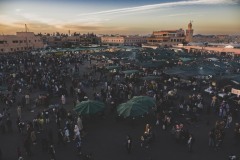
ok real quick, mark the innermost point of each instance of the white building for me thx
(22, 41)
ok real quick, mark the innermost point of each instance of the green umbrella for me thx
(149, 78)
(184, 59)
(76, 75)
(112, 67)
(144, 100)
(132, 109)
(89, 107)
(3, 88)
(130, 71)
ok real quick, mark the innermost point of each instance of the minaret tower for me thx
(189, 33)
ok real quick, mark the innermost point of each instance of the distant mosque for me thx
(171, 37)
(189, 33)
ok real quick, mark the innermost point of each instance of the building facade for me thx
(68, 41)
(22, 41)
(112, 40)
(167, 37)
(53, 41)
(171, 37)
(123, 40)
(134, 40)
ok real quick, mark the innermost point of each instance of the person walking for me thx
(190, 143)
(44, 141)
(79, 146)
(61, 137)
(27, 100)
(52, 152)
(33, 137)
(27, 146)
(2, 126)
(50, 136)
(9, 124)
(79, 123)
(63, 99)
(19, 153)
(66, 133)
(147, 128)
(229, 121)
(46, 117)
(129, 144)
(76, 133)
(237, 134)
(211, 139)
(19, 111)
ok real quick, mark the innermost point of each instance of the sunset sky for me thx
(119, 16)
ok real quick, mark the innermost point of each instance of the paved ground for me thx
(106, 137)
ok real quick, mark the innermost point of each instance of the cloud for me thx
(83, 27)
(18, 10)
(31, 21)
(9, 28)
(8, 20)
(183, 14)
(33, 17)
(37, 22)
(96, 21)
(97, 29)
(159, 6)
(58, 23)
(3, 25)
(36, 25)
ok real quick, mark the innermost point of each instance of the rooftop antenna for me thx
(26, 28)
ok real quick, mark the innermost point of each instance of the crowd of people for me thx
(36, 82)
